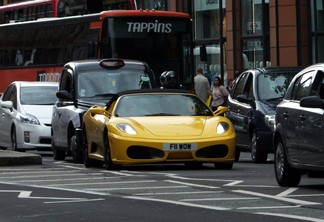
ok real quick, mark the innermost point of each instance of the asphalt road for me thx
(62, 190)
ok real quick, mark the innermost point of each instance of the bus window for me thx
(163, 48)
(41, 48)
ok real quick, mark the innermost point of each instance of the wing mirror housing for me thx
(312, 102)
(220, 110)
(63, 95)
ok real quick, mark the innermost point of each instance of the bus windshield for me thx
(163, 43)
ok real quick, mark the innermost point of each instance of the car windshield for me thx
(98, 83)
(273, 86)
(38, 95)
(161, 105)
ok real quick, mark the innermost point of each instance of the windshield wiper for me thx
(162, 114)
(104, 95)
(274, 99)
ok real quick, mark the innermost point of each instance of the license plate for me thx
(180, 146)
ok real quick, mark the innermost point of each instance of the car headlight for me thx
(126, 128)
(29, 119)
(222, 127)
(270, 121)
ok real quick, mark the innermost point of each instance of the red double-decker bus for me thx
(32, 10)
(36, 50)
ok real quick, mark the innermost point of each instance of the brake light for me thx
(111, 63)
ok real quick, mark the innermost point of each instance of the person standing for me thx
(202, 87)
(219, 93)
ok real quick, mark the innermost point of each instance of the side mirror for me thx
(220, 110)
(245, 99)
(6, 104)
(97, 110)
(64, 95)
(312, 102)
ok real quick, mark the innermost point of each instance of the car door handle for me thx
(302, 117)
(285, 114)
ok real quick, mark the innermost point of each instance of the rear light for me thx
(112, 63)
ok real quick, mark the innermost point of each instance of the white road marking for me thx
(191, 184)
(287, 192)
(177, 203)
(285, 199)
(268, 207)
(221, 198)
(103, 183)
(134, 188)
(178, 193)
(27, 195)
(292, 216)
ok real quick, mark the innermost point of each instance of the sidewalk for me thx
(11, 158)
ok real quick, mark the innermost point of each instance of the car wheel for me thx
(109, 165)
(237, 154)
(57, 154)
(257, 155)
(224, 166)
(76, 151)
(88, 162)
(14, 139)
(286, 176)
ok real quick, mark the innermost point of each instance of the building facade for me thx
(255, 33)
(230, 36)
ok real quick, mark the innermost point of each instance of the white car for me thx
(26, 112)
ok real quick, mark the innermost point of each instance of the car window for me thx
(272, 86)
(239, 85)
(318, 85)
(38, 95)
(7, 93)
(66, 81)
(248, 89)
(92, 83)
(302, 86)
(161, 105)
(13, 97)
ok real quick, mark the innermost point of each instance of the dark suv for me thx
(299, 131)
(252, 103)
(87, 83)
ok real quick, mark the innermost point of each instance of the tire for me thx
(57, 153)
(13, 139)
(76, 151)
(257, 155)
(237, 154)
(286, 176)
(109, 165)
(224, 166)
(86, 160)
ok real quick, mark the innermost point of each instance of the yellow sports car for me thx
(157, 126)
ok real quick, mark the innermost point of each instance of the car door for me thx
(239, 111)
(295, 118)
(61, 112)
(7, 115)
(311, 131)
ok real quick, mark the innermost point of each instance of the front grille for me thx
(142, 152)
(217, 151)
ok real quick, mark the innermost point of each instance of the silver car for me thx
(26, 112)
